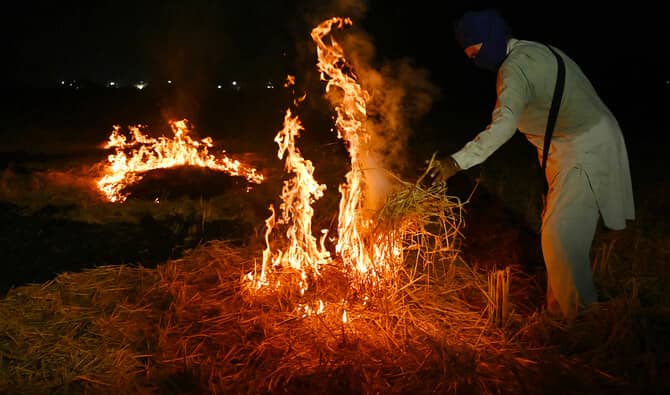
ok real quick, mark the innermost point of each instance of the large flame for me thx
(368, 257)
(302, 252)
(142, 153)
(367, 254)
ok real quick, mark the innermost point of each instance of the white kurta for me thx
(587, 168)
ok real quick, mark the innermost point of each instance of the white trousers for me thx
(569, 223)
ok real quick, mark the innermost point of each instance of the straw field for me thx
(191, 325)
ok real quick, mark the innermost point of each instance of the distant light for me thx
(269, 85)
(112, 83)
(169, 81)
(234, 83)
(141, 85)
(62, 82)
(219, 86)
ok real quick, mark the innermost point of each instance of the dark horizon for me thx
(207, 41)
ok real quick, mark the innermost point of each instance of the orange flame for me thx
(303, 253)
(366, 256)
(147, 153)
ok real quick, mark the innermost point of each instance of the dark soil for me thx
(38, 246)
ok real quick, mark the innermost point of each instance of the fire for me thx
(303, 253)
(142, 153)
(366, 256)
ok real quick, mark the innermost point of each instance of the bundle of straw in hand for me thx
(428, 219)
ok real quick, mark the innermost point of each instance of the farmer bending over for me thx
(587, 169)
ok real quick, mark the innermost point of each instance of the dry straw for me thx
(428, 220)
(192, 325)
(499, 303)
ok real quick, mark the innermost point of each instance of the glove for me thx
(441, 170)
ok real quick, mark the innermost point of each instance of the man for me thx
(587, 168)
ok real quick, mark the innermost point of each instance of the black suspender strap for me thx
(553, 112)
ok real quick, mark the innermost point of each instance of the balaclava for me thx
(486, 27)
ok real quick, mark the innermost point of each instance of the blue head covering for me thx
(486, 27)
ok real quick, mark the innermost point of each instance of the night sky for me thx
(621, 48)
(146, 40)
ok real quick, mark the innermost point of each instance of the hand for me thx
(442, 170)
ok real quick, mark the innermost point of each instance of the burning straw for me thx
(140, 153)
(196, 325)
(428, 220)
(188, 324)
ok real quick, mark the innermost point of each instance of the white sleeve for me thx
(513, 93)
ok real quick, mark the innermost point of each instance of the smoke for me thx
(186, 46)
(400, 94)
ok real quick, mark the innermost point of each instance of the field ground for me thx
(164, 270)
